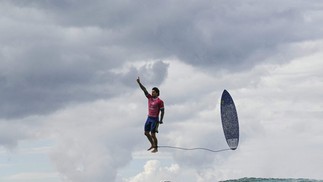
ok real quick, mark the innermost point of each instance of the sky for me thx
(71, 110)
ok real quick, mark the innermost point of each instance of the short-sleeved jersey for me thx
(154, 106)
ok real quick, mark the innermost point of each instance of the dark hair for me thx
(156, 90)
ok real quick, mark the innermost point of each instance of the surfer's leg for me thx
(155, 142)
(148, 126)
(150, 139)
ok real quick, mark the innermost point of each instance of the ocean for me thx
(272, 180)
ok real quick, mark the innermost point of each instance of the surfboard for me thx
(230, 121)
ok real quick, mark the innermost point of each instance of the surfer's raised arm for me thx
(143, 88)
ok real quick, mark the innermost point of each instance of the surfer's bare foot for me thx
(150, 148)
(155, 150)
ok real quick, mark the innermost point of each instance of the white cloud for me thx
(95, 139)
(153, 171)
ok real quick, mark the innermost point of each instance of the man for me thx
(155, 104)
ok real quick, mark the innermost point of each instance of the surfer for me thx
(155, 106)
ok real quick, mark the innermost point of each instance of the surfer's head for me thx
(155, 92)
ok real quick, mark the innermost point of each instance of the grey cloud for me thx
(66, 54)
(200, 33)
(41, 89)
(7, 137)
(12, 132)
(154, 73)
(45, 66)
(207, 33)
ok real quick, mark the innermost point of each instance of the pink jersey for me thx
(154, 106)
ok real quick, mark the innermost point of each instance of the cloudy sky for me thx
(71, 110)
